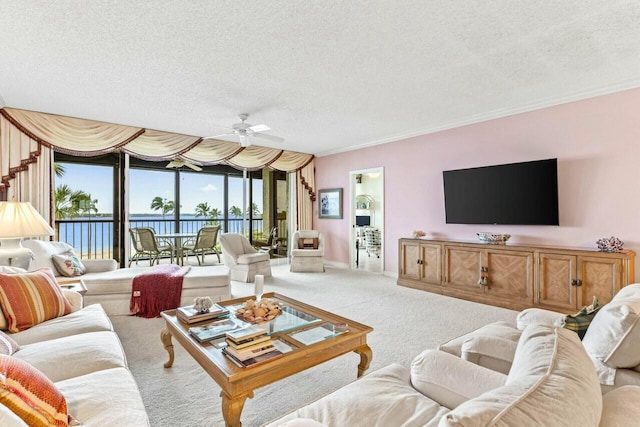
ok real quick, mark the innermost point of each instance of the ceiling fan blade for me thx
(260, 128)
(269, 137)
(194, 167)
(219, 135)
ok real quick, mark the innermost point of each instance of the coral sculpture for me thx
(202, 304)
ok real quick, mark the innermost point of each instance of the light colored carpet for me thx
(405, 322)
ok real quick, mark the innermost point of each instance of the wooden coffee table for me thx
(238, 383)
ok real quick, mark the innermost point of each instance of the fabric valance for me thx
(82, 137)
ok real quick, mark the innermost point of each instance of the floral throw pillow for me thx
(68, 264)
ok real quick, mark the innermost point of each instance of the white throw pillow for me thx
(548, 359)
(614, 334)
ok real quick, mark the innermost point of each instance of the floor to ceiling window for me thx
(83, 201)
(169, 200)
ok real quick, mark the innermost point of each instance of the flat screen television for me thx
(512, 194)
(363, 220)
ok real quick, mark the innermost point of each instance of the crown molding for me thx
(495, 114)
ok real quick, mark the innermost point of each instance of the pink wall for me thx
(596, 142)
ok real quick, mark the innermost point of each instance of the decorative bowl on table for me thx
(259, 311)
(493, 238)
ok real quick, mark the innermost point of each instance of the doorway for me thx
(366, 218)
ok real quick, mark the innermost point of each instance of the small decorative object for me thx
(493, 238)
(202, 304)
(418, 234)
(259, 286)
(612, 244)
(259, 311)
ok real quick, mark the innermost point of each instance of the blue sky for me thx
(145, 185)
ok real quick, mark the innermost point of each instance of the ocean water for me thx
(93, 237)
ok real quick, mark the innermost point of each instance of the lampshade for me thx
(20, 219)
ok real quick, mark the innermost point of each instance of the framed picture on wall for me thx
(330, 206)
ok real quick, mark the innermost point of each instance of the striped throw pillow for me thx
(30, 395)
(31, 298)
(8, 346)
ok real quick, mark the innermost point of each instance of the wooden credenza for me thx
(516, 276)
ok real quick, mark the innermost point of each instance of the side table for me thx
(74, 284)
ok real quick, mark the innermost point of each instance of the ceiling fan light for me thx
(244, 140)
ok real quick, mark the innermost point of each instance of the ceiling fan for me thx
(245, 131)
(177, 163)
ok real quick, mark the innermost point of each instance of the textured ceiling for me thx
(325, 75)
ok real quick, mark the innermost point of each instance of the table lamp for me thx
(18, 220)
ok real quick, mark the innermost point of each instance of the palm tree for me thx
(235, 211)
(215, 213)
(61, 204)
(59, 170)
(203, 209)
(255, 211)
(163, 205)
(68, 203)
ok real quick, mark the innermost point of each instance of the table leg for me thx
(232, 408)
(365, 358)
(165, 336)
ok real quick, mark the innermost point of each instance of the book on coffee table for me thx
(249, 352)
(242, 335)
(213, 330)
(189, 315)
(279, 348)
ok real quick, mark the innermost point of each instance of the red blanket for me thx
(157, 289)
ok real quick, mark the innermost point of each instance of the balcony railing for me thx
(94, 238)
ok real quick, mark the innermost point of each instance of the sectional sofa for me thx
(110, 286)
(83, 357)
(552, 382)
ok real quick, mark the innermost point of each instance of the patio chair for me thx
(206, 241)
(146, 245)
(267, 245)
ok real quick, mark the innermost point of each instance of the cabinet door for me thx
(431, 263)
(556, 275)
(462, 268)
(409, 260)
(601, 277)
(510, 275)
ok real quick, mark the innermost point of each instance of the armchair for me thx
(243, 260)
(307, 254)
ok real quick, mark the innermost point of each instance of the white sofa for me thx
(82, 355)
(110, 286)
(612, 340)
(552, 382)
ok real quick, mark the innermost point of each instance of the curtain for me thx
(82, 137)
(305, 195)
(25, 169)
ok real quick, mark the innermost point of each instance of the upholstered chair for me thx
(243, 260)
(307, 253)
